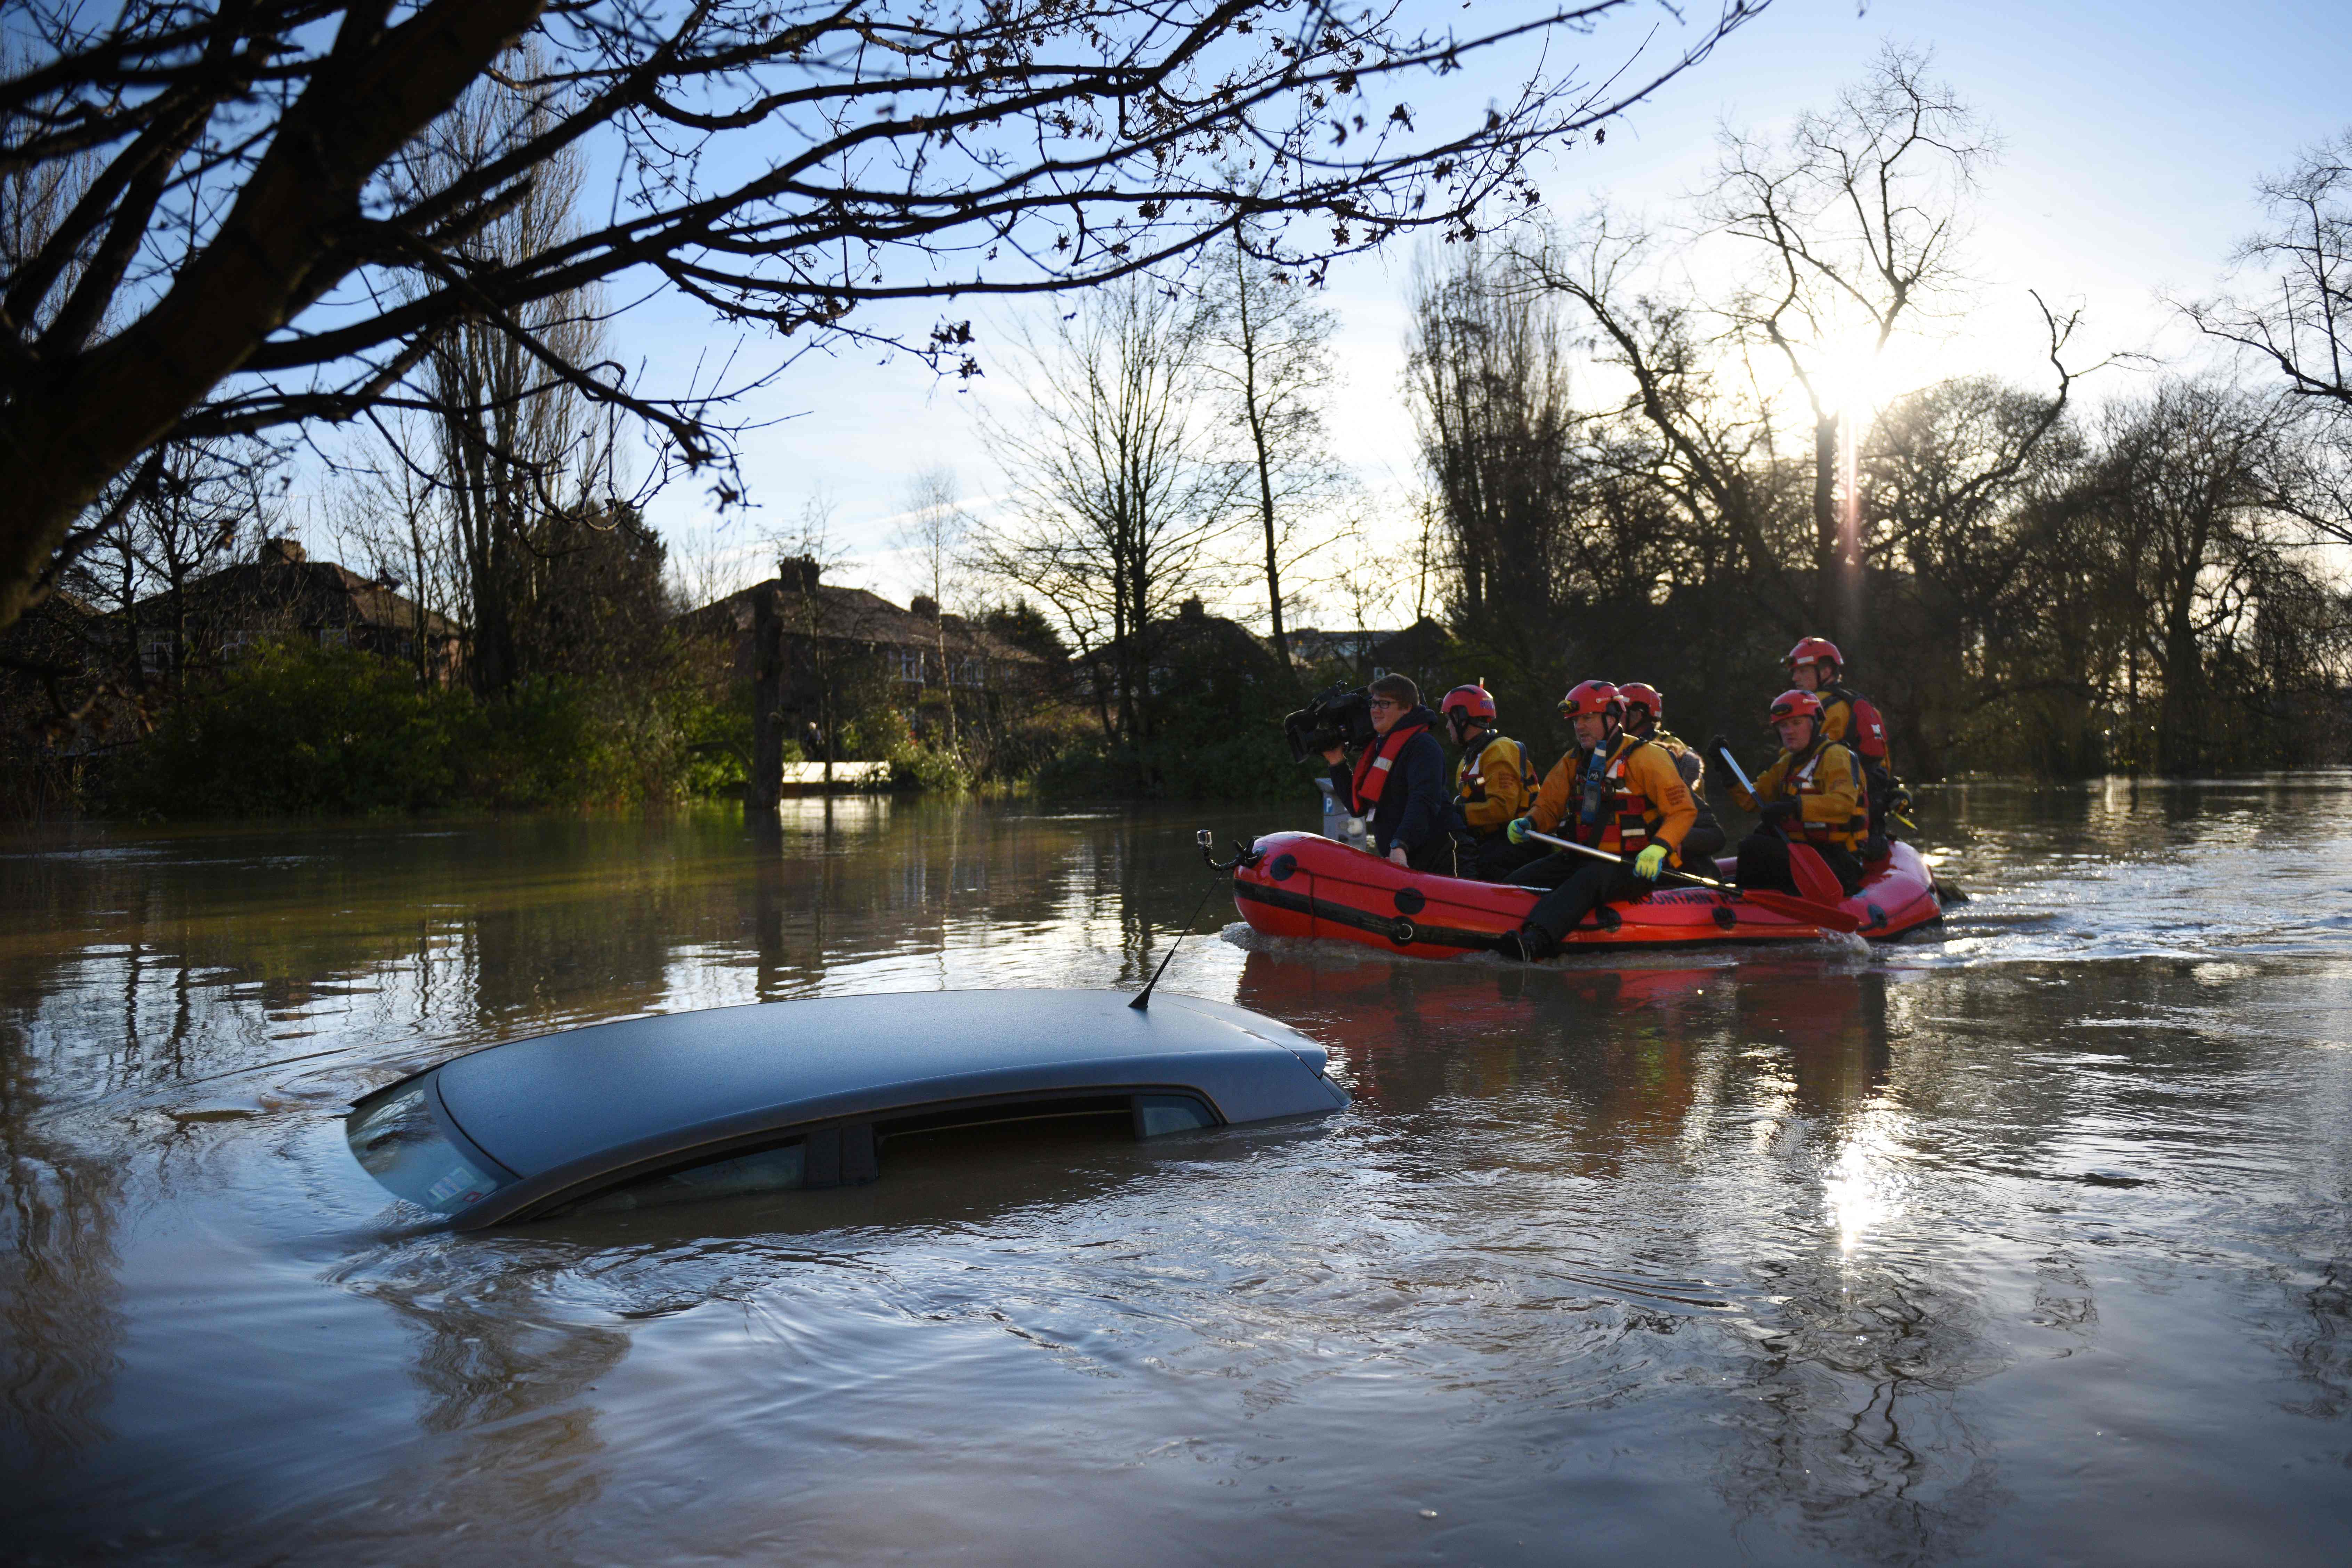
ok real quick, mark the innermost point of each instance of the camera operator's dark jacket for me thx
(1412, 808)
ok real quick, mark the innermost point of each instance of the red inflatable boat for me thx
(1303, 884)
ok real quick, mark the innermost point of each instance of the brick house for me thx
(919, 649)
(284, 594)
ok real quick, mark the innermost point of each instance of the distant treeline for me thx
(1635, 474)
(2039, 590)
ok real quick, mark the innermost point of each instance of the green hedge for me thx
(295, 729)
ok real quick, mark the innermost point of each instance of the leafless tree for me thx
(2296, 316)
(1853, 224)
(204, 500)
(2182, 490)
(1268, 352)
(1487, 376)
(390, 512)
(933, 533)
(1692, 424)
(242, 256)
(2297, 312)
(520, 446)
(1119, 502)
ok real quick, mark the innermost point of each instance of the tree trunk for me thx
(2177, 713)
(759, 791)
(1273, 562)
(1829, 568)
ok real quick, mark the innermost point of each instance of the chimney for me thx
(926, 606)
(798, 573)
(283, 552)
(1192, 610)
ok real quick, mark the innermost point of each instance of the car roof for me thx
(562, 1106)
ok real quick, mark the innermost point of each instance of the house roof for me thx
(315, 593)
(849, 614)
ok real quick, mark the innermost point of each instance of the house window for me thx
(157, 650)
(233, 644)
(972, 672)
(910, 664)
(334, 636)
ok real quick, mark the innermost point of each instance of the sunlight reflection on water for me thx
(2024, 1240)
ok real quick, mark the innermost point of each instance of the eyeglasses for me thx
(1379, 703)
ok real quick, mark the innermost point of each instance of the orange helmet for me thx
(1465, 703)
(1815, 650)
(1794, 704)
(1592, 696)
(1635, 694)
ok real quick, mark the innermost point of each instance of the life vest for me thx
(1373, 767)
(1848, 836)
(1470, 781)
(1627, 819)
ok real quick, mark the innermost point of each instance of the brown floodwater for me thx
(2029, 1239)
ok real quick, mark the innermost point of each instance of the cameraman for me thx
(1400, 781)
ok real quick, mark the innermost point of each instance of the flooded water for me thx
(2028, 1239)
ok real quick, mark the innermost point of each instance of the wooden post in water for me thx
(767, 700)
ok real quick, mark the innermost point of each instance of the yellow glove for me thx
(1517, 831)
(1649, 862)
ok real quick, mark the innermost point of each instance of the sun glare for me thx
(1854, 376)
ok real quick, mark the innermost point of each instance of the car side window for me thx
(761, 1171)
(1157, 1114)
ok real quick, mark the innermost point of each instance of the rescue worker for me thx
(1814, 793)
(1645, 709)
(1400, 781)
(1614, 792)
(1493, 784)
(1851, 720)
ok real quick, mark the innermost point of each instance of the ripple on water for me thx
(1833, 1255)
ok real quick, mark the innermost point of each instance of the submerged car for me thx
(810, 1094)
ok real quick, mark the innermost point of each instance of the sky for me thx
(2131, 136)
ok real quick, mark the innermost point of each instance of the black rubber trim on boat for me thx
(1284, 865)
(1724, 918)
(1410, 902)
(1402, 932)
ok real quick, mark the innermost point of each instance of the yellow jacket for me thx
(1651, 804)
(1832, 806)
(1494, 784)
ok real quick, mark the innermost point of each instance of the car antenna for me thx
(1208, 843)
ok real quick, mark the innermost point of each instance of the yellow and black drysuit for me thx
(1494, 782)
(1816, 795)
(1622, 796)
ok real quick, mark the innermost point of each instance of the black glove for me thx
(1780, 812)
(1715, 746)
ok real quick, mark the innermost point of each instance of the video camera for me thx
(1339, 717)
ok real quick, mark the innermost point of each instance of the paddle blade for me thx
(1813, 877)
(1828, 917)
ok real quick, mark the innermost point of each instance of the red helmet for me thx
(1592, 696)
(1465, 703)
(1815, 650)
(1793, 704)
(1635, 694)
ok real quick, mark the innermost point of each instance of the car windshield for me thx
(399, 1143)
